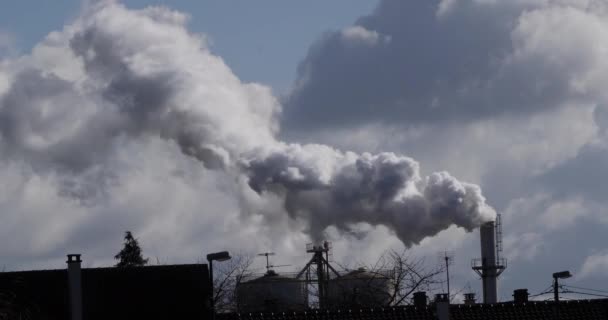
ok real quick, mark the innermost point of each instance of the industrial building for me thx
(272, 292)
(363, 294)
(359, 288)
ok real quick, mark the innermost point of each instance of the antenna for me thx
(267, 254)
(448, 259)
(279, 266)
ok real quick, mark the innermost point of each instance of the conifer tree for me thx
(130, 255)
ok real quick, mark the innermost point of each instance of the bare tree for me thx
(391, 280)
(411, 274)
(227, 276)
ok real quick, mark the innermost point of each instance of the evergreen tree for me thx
(130, 255)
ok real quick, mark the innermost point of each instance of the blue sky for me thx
(261, 41)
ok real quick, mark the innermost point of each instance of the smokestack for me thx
(490, 266)
(420, 299)
(442, 303)
(75, 286)
(488, 262)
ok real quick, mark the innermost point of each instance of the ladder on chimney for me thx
(498, 234)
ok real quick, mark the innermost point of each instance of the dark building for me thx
(150, 292)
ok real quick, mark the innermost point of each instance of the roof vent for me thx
(520, 296)
(420, 299)
(469, 298)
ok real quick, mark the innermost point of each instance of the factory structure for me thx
(318, 284)
(320, 291)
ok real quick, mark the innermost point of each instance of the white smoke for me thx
(122, 75)
(331, 188)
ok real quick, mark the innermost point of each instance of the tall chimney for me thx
(75, 286)
(490, 266)
(488, 262)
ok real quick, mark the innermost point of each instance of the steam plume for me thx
(121, 74)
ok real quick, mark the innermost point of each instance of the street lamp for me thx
(216, 256)
(559, 275)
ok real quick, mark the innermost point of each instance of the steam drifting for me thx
(117, 74)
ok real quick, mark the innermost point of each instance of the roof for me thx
(534, 310)
(151, 292)
(566, 310)
(409, 313)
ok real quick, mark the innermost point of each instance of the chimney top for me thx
(74, 258)
(520, 295)
(469, 298)
(441, 297)
(420, 299)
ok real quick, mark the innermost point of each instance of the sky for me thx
(260, 42)
(262, 126)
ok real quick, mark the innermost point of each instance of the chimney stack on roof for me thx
(520, 296)
(420, 299)
(442, 305)
(469, 298)
(75, 286)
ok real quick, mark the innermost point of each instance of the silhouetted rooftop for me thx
(151, 292)
(567, 310)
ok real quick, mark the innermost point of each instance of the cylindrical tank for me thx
(271, 293)
(360, 288)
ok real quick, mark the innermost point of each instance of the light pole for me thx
(217, 256)
(559, 275)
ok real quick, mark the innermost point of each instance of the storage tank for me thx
(271, 293)
(360, 288)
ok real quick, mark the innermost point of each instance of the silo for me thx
(360, 288)
(271, 293)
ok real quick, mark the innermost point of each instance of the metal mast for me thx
(322, 266)
(448, 257)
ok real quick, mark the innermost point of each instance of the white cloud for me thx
(524, 246)
(358, 34)
(595, 265)
(562, 214)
